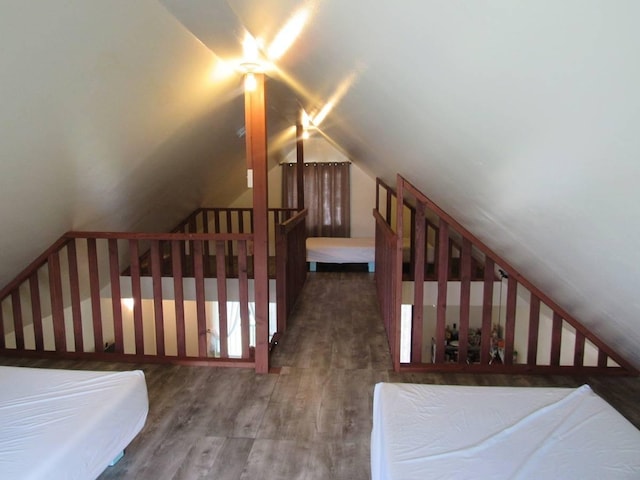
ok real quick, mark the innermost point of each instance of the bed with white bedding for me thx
(341, 250)
(441, 431)
(67, 423)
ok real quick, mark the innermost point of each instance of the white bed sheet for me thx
(341, 250)
(66, 423)
(435, 431)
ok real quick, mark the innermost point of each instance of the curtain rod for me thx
(316, 163)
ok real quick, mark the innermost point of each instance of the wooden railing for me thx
(232, 220)
(291, 265)
(73, 302)
(150, 297)
(387, 281)
(503, 322)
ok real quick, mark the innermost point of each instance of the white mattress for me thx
(341, 250)
(436, 431)
(67, 424)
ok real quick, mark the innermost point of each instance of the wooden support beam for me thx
(256, 144)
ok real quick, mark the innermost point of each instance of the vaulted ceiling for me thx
(521, 119)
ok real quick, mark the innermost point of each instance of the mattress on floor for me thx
(66, 423)
(341, 250)
(436, 431)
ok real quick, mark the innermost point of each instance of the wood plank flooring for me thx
(311, 417)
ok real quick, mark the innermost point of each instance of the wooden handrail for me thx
(290, 224)
(159, 236)
(33, 266)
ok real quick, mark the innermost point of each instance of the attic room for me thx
(503, 131)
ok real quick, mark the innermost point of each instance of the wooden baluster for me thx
(487, 311)
(556, 339)
(443, 271)
(412, 243)
(222, 300)
(2, 340)
(201, 312)
(418, 228)
(207, 247)
(136, 293)
(116, 296)
(178, 295)
(230, 243)
(510, 321)
(243, 281)
(578, 354)
(534, 323)
(192, 229)
(156, 273)
(74, 290)
(36, 309)
(94, 288)
(57, 309)
(602, 358)
(465, 301)
(18, 327)
(282, 287)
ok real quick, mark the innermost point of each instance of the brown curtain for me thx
(326, 196)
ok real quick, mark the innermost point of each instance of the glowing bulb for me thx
(250, 82)
(128, 303)
(305, 120)
(305, 134)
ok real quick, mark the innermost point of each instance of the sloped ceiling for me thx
(520, 119)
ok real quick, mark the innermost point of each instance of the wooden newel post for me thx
(256, 142)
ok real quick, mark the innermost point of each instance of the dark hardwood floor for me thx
(311, 417)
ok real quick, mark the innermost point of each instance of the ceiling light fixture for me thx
(251, 62)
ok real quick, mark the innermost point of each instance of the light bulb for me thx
(250, 82)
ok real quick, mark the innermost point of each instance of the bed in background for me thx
(67, 423)
(341, 250)
(440, 431)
